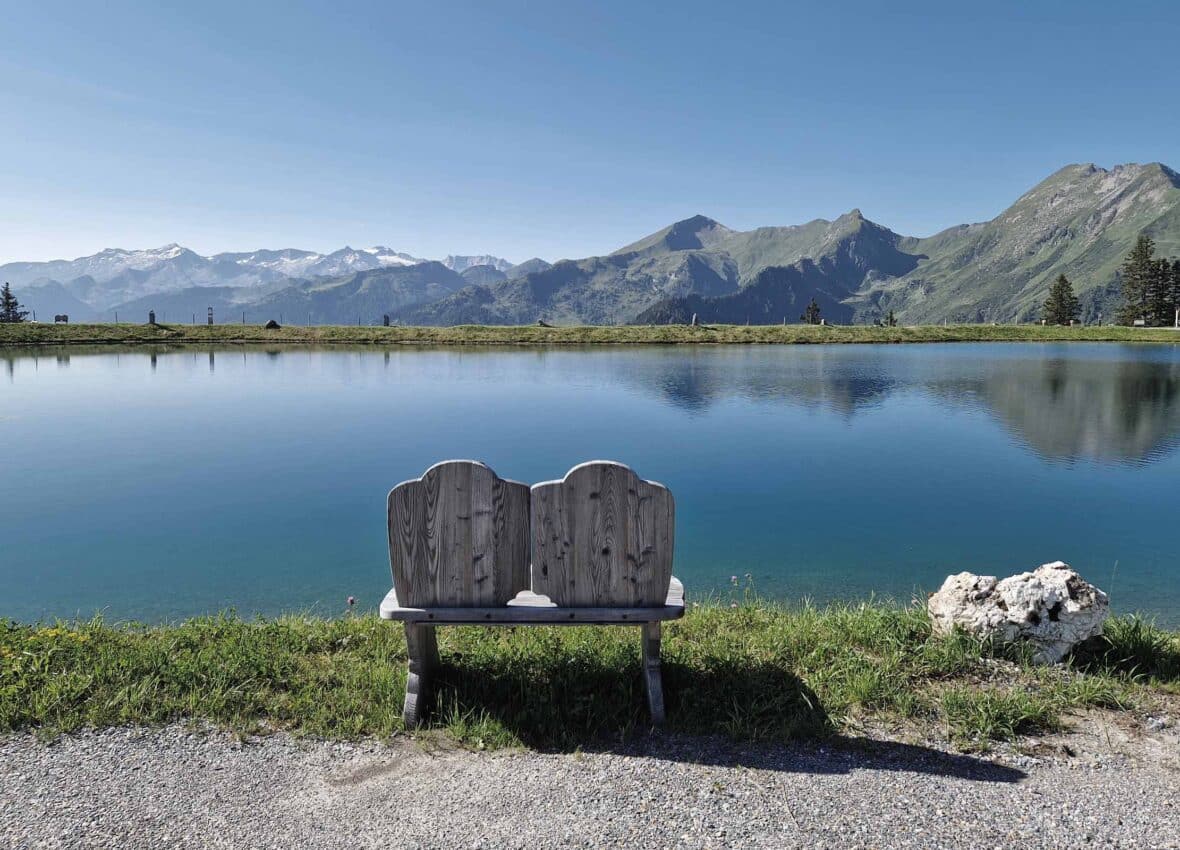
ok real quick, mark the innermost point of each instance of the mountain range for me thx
(334, 287)
(1080, 221)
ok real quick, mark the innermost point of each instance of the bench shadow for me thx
(756, 716)
(835, 755)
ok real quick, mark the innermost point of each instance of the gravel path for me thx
(174, 787)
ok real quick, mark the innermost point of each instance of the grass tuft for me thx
(988, 713)
(1134, 648)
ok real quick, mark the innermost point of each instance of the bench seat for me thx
(528, 607)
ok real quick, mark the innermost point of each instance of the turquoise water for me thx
(155, 486)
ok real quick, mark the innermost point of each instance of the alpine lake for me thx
(153, 484)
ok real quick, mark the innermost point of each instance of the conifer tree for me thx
(811, 314)
(10, 311)
(1175, 292)
(1160, 303)
(1139, 269)
(1061, 307)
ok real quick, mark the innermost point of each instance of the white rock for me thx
(1053, 608)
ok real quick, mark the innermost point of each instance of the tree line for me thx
(10, 309)
(1149, 285)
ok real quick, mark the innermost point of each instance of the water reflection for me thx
(1110, 403)
(1124, 410)
(694, 380)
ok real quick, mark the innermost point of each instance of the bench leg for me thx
(422, 646)
(652, 678)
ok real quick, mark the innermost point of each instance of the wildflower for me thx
(351, 601)
(733, 579)
(732, 604)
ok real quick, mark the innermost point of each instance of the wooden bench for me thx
(594, 548)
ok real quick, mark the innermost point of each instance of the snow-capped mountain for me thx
(289, 262)
(462, 262)
(101, 266)
(292, 262)
(116, 276)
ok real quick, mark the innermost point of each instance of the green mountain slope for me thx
(695, 233)
(1080, 221)
(598, 290)
(849, 252)
(777, 294)
(693, 266)
(755, 250)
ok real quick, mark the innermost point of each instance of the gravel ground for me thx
(177, 787)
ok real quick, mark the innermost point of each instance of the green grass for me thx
(27, 334)
(757, 671)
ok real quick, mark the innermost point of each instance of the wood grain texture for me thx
(602, 537)
(458, 537)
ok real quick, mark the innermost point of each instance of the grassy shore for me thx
(746, 669)
(29, 334)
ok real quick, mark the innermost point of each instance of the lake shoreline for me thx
(36, 334)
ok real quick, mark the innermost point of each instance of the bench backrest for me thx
(458, 537)
(602, 536)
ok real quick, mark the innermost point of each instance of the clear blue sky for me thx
(558, 129)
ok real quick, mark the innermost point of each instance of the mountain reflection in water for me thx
(1122, 409)
(1113, 410)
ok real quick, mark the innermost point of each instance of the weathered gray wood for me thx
(459, 548)
(602, 537)
(458, 537)
(652, 677)
(422, 649)
(535, 610)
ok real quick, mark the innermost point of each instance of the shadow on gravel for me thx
(731, 714)
(836, 755)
